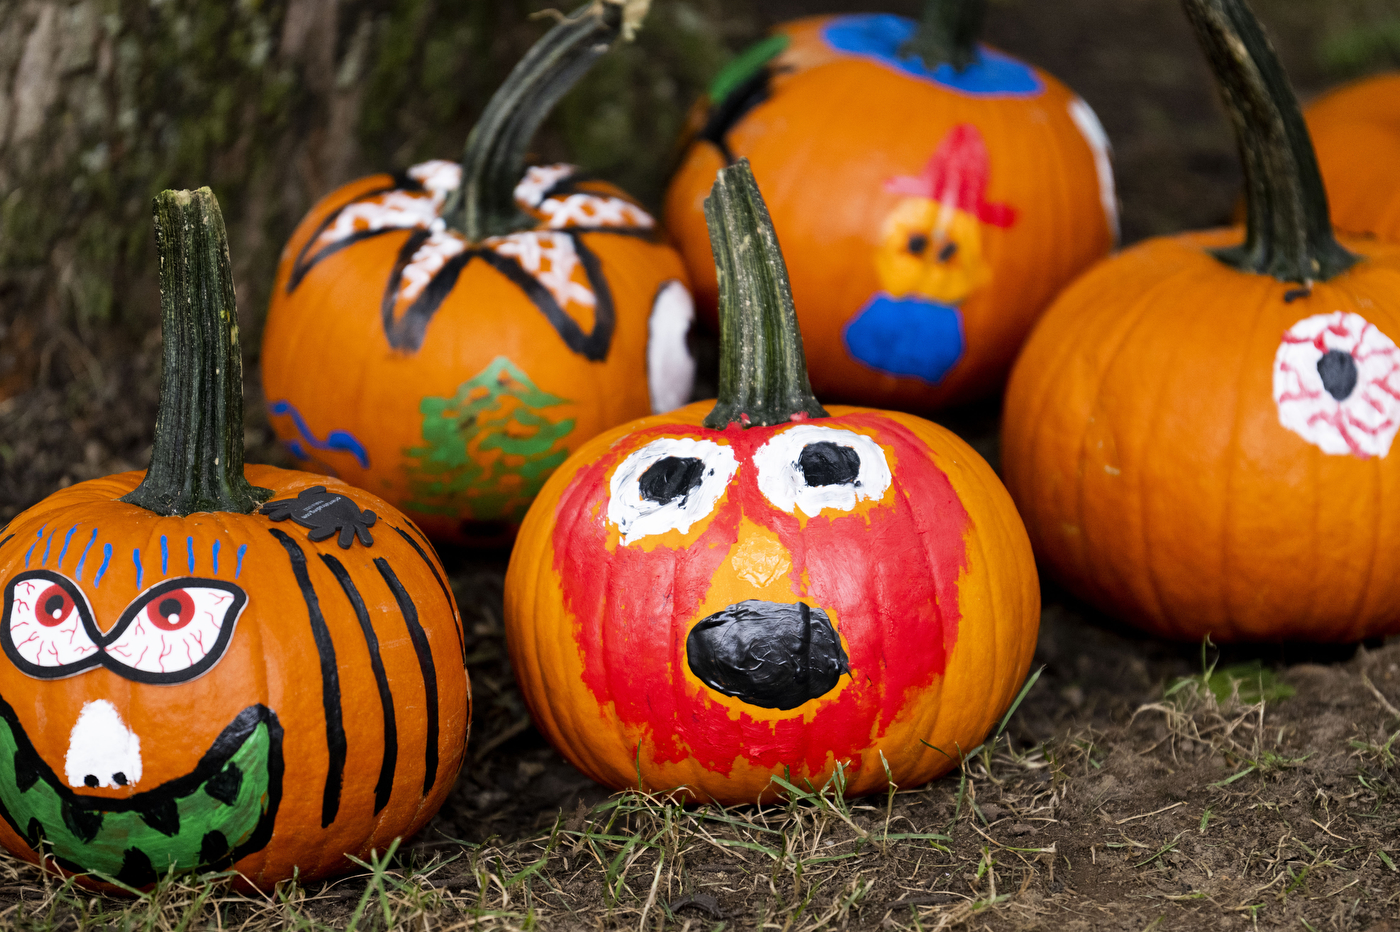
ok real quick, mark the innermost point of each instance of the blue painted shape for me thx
(106, 558)
(907, 336)
(136, 558)
(189, 552)
(83, 559)
(45, 561)
(66, 541)
(216, 558)
(28, 553)
(295, 448)
(879, 37)
(337, 440)
(238, 570)
(164, 559)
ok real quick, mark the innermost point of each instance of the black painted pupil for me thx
(671, 477)
(53, 606)
(1338, 371)
(949, 250)
(918, 242)
(169, 607)
(827, 463)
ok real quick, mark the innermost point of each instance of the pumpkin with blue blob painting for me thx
(446, 335)
(1356, 130)
(931, 195)
(209, 667)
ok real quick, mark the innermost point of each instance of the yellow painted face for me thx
(931, 249)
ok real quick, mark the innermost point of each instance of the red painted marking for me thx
(889, 578)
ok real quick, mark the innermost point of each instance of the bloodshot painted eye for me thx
(46, 629)
(176, 630)
(1337, 384)
(813, 467)
(668, 485)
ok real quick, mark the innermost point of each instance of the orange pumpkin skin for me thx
(832, 144)
(271, 661)
(1356, 131)
(931, 589)
(456, 409)
(1145, 449)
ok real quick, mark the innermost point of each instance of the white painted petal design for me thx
(1092, 130)
(670, 367)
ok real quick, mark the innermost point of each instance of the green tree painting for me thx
(487, 450)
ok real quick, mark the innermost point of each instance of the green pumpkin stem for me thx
(494, 162)
(197, 459)
(762, 371)
(1288, 228)
(948, 33)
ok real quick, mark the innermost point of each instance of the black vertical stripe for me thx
(385, 786)
(446, 594)
(425, 663)
(330, 681)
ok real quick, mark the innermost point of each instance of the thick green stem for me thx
(948, 33)
(1288, 229)
(494, 161)
(762, 371)
(197, 460)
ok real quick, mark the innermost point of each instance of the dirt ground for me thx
(1130, 790)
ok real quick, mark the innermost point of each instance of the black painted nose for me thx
(768, 654)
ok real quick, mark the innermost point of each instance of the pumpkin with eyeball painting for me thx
(208, 667)
(931, 194)
(445, 336)
(1200, 432)
(1356, 130)
(761, 587)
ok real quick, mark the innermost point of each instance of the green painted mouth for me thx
(205, 820)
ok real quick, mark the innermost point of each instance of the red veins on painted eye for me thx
(53, 607)
(889, 577)
(171, 611)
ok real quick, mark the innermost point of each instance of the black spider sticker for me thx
(325, 513)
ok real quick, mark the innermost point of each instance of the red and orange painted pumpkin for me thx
(197, 678)
(1356, 130)
(1199, 432)
(762, 587)
(932, 195)
(445, 337)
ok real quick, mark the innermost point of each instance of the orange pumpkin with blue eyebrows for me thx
(208, 667)
(762, 587)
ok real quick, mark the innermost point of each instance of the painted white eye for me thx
(175, 631)
(813, 467)
(668, 485)
(47, 628)
(1337, 384)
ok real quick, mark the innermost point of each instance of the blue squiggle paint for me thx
(30, 551)
(83, 559)
(106, 558)
(136, 558)
(238, 570)
(216, 558)
(880, 36)
(908, 336)
(189, 551)
(47, 546)
(164, 559)
(64, 552)
(337, 440)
